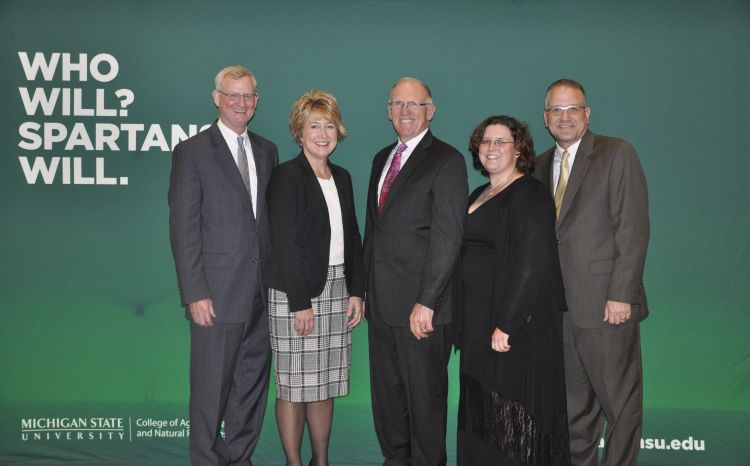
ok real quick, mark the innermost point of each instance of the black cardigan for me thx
(301, 233)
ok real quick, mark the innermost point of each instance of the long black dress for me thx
(512, 404)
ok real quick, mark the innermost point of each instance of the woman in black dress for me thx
(512, 402)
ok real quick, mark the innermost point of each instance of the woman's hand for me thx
(500, 341)
(303, 322)
(354, 311)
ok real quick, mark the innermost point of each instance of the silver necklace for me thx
(493, 189)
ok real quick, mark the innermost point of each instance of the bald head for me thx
(411, 108)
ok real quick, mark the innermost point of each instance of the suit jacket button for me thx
(558, 242)
(255, 260)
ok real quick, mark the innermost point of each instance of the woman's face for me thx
(319, 136)
(497, 150)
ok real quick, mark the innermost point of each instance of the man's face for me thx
(569, 126)
(410, 120)
(236, 101)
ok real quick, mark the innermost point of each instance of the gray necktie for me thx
(242, 163)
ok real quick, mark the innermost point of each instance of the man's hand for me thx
(202, 312)
(303, 322)
(420, 321)
(354, 311)
(616, 313)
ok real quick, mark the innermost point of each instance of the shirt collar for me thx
(229, 135)
(572, 150)
(412, 143)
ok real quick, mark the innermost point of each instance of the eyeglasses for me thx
(236, 97)
(398, 105)
(572, 110)
(499, 143)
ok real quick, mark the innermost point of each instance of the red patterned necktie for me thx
(390, 176)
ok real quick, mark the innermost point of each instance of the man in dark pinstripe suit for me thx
(415, 215)
(219, 233)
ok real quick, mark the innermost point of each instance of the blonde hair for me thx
(235, 72)
(318, 102)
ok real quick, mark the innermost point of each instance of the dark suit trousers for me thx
(229, 368)
(604, 382)
(409, 384)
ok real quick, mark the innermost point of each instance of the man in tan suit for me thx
(602, 230)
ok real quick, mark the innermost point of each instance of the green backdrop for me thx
(93, 343)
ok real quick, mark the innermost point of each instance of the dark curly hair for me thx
(521, 135)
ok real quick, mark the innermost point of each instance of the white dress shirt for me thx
(336, 251)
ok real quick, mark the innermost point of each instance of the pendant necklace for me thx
(493, 189)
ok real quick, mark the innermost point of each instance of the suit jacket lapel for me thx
(418, 154)
(224, 159)
(263, 169)
(578, 173)
(377, 170)
(313, 185)
(547, 160)
(343, 193)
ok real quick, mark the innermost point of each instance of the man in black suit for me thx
(602, 230)
(415, 214)
(219, 233)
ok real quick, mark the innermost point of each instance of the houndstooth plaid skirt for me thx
(315, 367)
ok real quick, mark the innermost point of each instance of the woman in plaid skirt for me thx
(315, 278)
